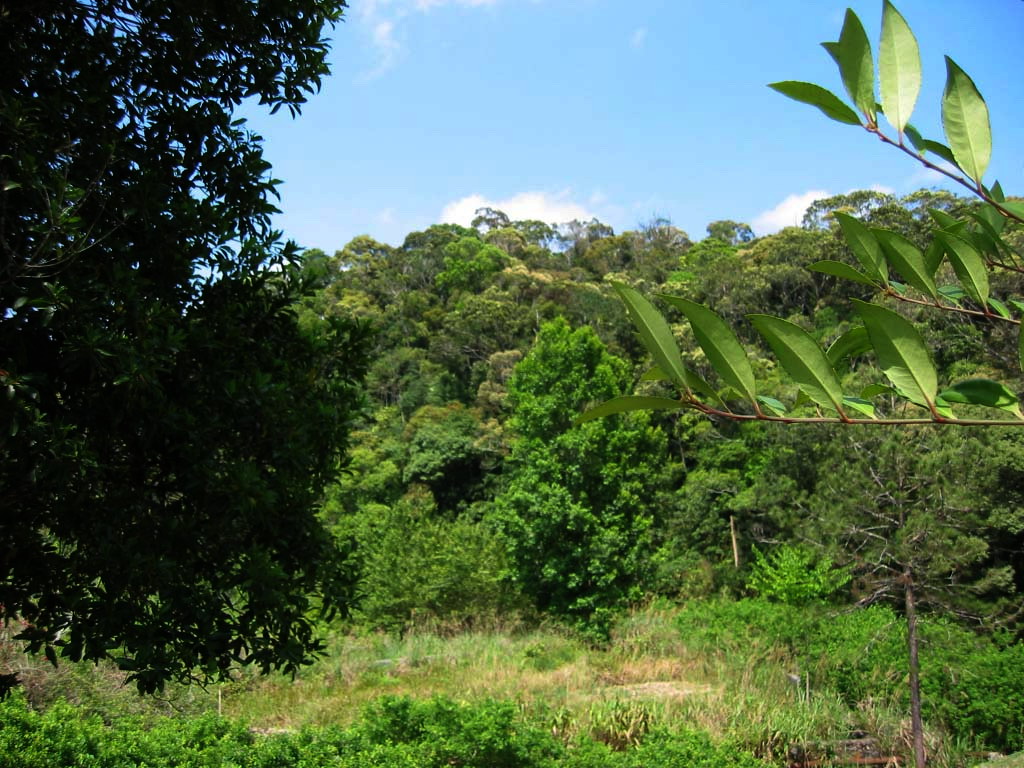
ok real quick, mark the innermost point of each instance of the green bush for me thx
(795, 576)
(486, 735)
(977, 688)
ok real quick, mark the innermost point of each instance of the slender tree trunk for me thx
(916, 726)
(735, 544)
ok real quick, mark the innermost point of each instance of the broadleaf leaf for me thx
(802, 359)
(720, 344)
(899, 67)
(809, 93)
(966, 123)
(902, 353)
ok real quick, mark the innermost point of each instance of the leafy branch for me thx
(971, 246)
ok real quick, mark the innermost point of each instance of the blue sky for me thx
(561, 109)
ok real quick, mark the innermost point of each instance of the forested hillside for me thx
(471, 493)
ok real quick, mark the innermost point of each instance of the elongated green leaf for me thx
(968, 265)
(773, 405)
(986, 392)
(802, 358)
(874, 390)
(902, 353)
(899, 67)
(626, 403)
(1020, 347)
(999, 308)
(905, 257)
(816, 96)
(853, 343)
(944, 220)
(933, 257)
(856, 65)
(940, 149)
(965, 120)
(997, 192)
(863, 406)
(655, 374)
(864, 245)
(654, 333)
(916, 140)
(720, 345)
(691, 379)
(843, 270)
(699, 386)
(992, 219)
(952, 293)
(832, 48)
(1015, 207)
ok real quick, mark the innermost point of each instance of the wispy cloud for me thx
(638, 38)
(382, 17)
(788, 213)
(551, 209)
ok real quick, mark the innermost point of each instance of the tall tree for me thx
(168, 423)
(579, 501)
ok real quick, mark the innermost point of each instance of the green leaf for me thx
(908, 260)
(968, 265)
(9, 185)
(944, 220)
(832, 48)
(853, 343)
(899, 67)
(1020, 347)
(627, 403)
(933, 257)
(1016, 304)
(655, 374)
(720, 345)
(863, 406)
(991, 219)
(940, 149)
(654, 333)
(997, 193)
(915, 137)
(902, 354)
(999, 308)
(1015, 207)
(864, 245)
(773, 405)
(802, 358)
(986, 392)
(874, 390)
(856, 65)
(698, 385)
(816, 96)
(965, 120)
(952, 293)
(843, 270)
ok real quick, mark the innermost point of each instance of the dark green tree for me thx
(580, 501)
(167, 424)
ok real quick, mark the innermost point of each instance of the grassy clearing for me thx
(644, 679)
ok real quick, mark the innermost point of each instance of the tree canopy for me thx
(167, 423)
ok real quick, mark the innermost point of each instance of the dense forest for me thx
(471, 492)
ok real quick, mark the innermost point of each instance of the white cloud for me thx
(551, 209)
(788, 213)
(381, 18)
(638, 38)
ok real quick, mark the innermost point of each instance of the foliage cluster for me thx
(972, 683)
(396, 732)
